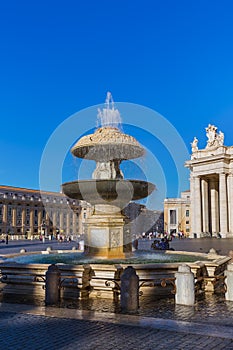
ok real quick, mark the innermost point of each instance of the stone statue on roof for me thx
(214, 139)
(220, 138)
(194, 144)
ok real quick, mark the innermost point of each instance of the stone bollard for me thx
(230, 254)
(185, 288)
(229, 282)
(129, 290)
(52, 285)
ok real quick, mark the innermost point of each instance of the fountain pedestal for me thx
(105, 233)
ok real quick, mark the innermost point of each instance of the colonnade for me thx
(212, 204)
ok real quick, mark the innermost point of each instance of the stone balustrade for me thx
(103, 281)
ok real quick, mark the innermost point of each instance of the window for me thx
(9, 211)
(187, 222)
(19, 211)
(187, 213)
(172, 217)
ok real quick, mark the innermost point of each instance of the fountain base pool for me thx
(24, 275)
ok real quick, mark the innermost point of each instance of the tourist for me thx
(150, 236)
(81, 245)
(135, 244)
(163, 244)
(7, 237)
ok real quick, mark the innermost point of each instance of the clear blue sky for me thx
(59, 57)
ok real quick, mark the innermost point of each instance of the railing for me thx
(104, 281)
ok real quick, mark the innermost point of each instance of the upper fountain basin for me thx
(117, 192)
(107, 143)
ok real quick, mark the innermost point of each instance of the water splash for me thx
(109, 116)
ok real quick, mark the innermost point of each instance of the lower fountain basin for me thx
(78, 258)
(24, 277)
(118, 192)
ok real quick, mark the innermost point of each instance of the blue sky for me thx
(59, 57)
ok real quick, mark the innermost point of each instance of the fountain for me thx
(108, 191)
(88, 275)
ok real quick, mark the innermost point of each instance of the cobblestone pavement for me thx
(38, 328)
(14, 247)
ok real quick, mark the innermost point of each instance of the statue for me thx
(214, 139)
(220, 138)
(211, 133)
(194, 144)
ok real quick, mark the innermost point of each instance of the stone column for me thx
(61, 220)
(192, 207)
(68, 222)
(39, 219)
(214, 207)
(223, 210)
(14, 219)
(54, 220)
(230, 201)
(31, 222)
(5, 218)
(205, 205)
(23, 220)
(196, 207)
(75, 230)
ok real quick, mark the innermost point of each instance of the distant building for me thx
(141, 219)
(29, 213)
(177, 216)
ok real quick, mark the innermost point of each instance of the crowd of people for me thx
(160, 240)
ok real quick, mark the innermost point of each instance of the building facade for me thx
(28, 213)
(177, 215)
(141, 219)
(211, 186)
